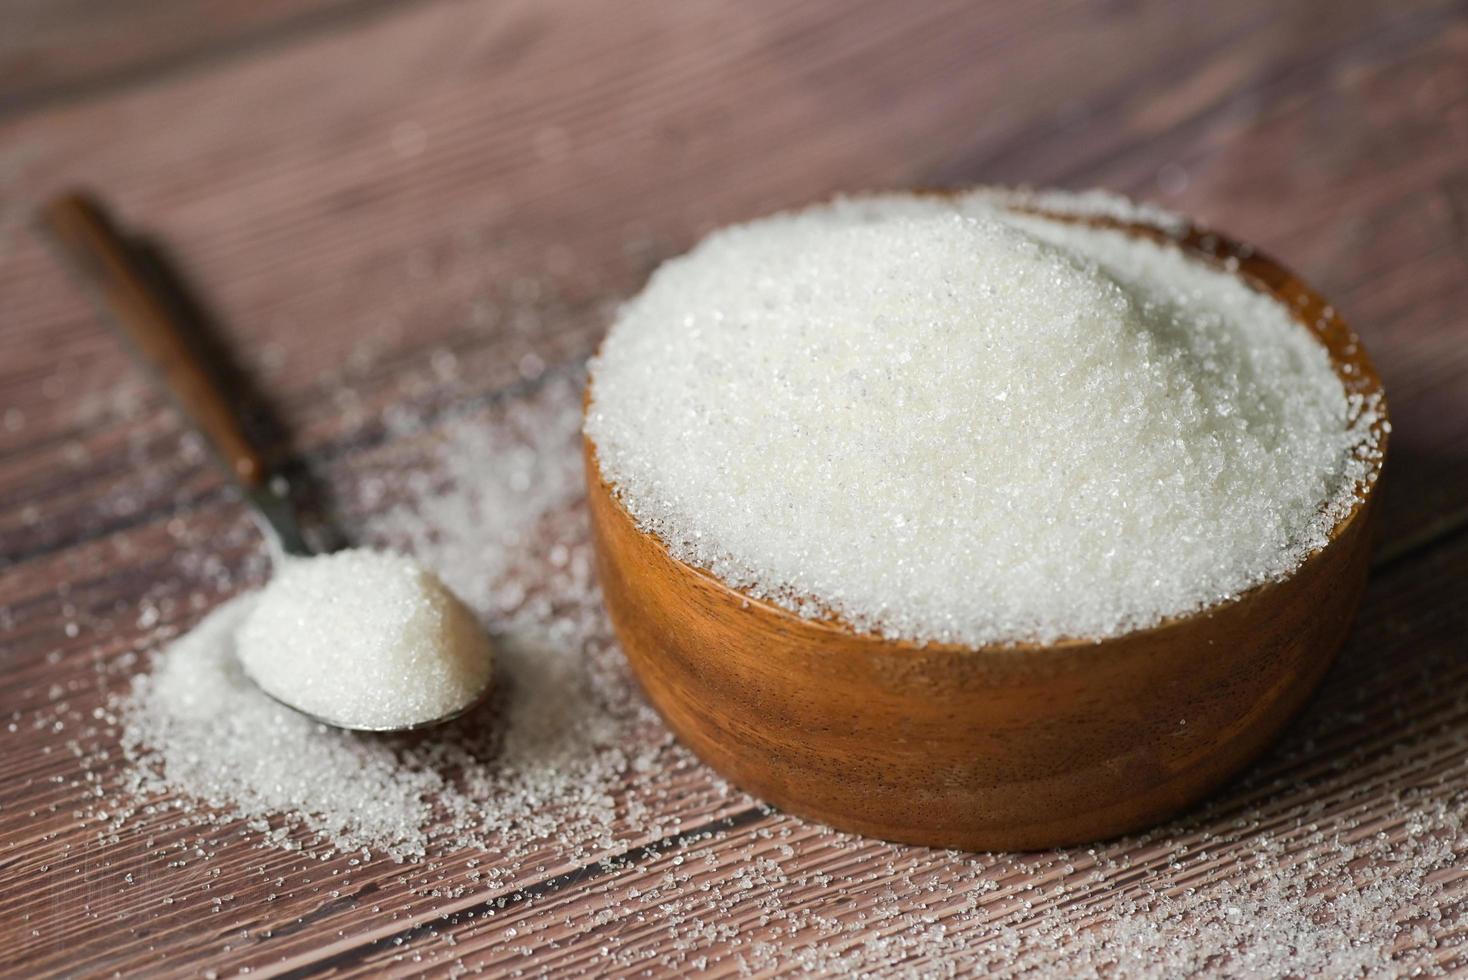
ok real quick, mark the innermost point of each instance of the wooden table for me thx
(349, 181)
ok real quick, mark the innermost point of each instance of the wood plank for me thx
(1372, 779)
(1379, 750)
(165, 882)
(55, 50)
(433, 235)
(472, 196)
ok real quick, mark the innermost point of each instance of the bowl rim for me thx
(1309, 309)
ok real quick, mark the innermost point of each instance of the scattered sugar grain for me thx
(1260, 884)
(564, 731)
(949, 420)
(1346, 858)
(364, 639)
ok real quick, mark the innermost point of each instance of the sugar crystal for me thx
(948, 420)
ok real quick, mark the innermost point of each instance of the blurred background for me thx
(380, 197)
(356, 184)
(359, 188)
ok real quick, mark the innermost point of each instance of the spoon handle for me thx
(159, 336)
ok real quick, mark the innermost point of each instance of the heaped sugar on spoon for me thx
(360, 639)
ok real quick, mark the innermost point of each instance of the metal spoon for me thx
(166, 342)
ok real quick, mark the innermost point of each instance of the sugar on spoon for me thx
(357, 639)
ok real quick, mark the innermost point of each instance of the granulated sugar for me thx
(364, 639)
(943, 420)
(1341, 851)
(490, 514)
(558, 831)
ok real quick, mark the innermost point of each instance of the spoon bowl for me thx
(1013, 747)
(457, 713)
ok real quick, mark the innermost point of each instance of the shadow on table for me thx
(260, 420)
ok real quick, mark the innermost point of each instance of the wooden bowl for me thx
(997, 748)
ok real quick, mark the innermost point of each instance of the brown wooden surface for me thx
(104, 262)
(357, 190)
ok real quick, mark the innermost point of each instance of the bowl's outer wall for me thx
(992, 749)
(981, 750)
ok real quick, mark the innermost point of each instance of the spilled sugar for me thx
(1362, 874)
(948, 421)
(535, 762)
(364, 639)
(1342, 855)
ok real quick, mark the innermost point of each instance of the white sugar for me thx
(941, 419)
(1341, 854)
(200, 723)
(365, 639)
(494, 511)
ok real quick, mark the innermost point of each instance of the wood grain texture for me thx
(55, 51)
(486, 179)
(103, 260)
